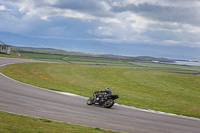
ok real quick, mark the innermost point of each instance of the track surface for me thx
(23, 99)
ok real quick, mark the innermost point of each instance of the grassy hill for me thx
(71, 59)
(107, 56)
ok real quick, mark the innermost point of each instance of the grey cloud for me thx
(185, 15)
(13, 1)
(181, 1)
(91, 7)
(94, 8)
(161, 35)
(180, 11)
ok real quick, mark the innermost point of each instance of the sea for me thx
(190, 63)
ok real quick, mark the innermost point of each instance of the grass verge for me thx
(12, 55)
(149, 89)
(13, 123)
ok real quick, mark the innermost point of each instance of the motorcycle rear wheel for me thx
(109, 103)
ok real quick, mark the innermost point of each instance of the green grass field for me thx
(12, 123)
(145, 85)
(113, 62)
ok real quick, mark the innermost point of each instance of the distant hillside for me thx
(108, 56)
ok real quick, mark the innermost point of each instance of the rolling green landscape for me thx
(72, 59)
(158, 86)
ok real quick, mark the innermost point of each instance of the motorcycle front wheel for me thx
(90, 101)
(109, 103)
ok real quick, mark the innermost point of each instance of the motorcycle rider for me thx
(97, 93)
(108, 91)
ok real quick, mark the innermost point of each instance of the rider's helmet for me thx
(107, 89)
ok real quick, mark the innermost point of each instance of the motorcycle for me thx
(103, 99)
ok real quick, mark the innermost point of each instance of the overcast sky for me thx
(160, 28)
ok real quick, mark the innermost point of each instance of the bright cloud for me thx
(2, 8)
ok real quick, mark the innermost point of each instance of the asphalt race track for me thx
(24, 99)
